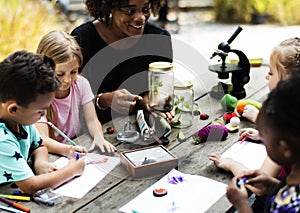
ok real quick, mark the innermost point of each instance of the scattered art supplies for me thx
(148, 161)
(248, 153)
(178, 192)
(19, 208)
(97, 167)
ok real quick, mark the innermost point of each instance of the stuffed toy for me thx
(228, 102)
(212, 132)
(227, 116)
(240, 106)
(233, 125)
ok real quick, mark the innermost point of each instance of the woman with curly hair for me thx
(118, 46)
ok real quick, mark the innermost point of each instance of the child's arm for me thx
(42, 165)
(54, 146)
(53, 179)
(270, 167)
(95, 128)
(230, 165)
(238, 196)
(227, 164)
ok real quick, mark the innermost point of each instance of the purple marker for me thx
(241, 181)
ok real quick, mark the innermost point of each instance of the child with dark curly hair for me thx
(281, 136)
(28, 85)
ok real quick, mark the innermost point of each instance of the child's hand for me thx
(44, 167)
(250, 112)
(78, 165)
(103, 145)
(77, 149)
(220, 162)
(259, 182)
(238, 196)
(251, 132)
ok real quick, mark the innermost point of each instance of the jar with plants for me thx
(183, 105)
(161, 86)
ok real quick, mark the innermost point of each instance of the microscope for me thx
(239, 72)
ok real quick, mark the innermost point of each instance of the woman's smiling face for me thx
(130, 19)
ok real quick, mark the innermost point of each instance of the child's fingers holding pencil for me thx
(244, 138)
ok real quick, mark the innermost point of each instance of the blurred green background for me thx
(24, 22)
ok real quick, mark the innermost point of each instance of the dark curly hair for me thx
(25, 75)
(280, 111)
(100, 9)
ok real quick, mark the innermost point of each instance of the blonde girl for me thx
(73, 97)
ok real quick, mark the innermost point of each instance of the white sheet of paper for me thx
(249, 154)
(93, 173)
(194, 194)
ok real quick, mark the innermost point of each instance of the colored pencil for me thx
(14, 204)
(61, 133)
(16, 197)
(244, 138)
(9, 209)
(241, 181)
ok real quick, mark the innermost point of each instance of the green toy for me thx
(229, 102)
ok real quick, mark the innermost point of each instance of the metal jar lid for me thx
(183, 85)
(160, 66)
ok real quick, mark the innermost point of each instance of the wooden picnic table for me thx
(118, 187)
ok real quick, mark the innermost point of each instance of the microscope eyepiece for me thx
(235, 34)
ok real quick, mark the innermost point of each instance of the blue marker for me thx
(77, 156)
(43, 201)
(241, 181)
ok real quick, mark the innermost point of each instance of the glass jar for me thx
(161, 86)
(183, 104)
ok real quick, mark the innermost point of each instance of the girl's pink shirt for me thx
(68, 111)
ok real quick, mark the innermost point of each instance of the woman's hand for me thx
(123, 101)
(250, 132)
(167, 115)
(144, 104)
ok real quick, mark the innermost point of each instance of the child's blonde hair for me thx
(287, 57)
(61, 47)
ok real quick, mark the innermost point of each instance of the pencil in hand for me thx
(244, 138)
(61, 133)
